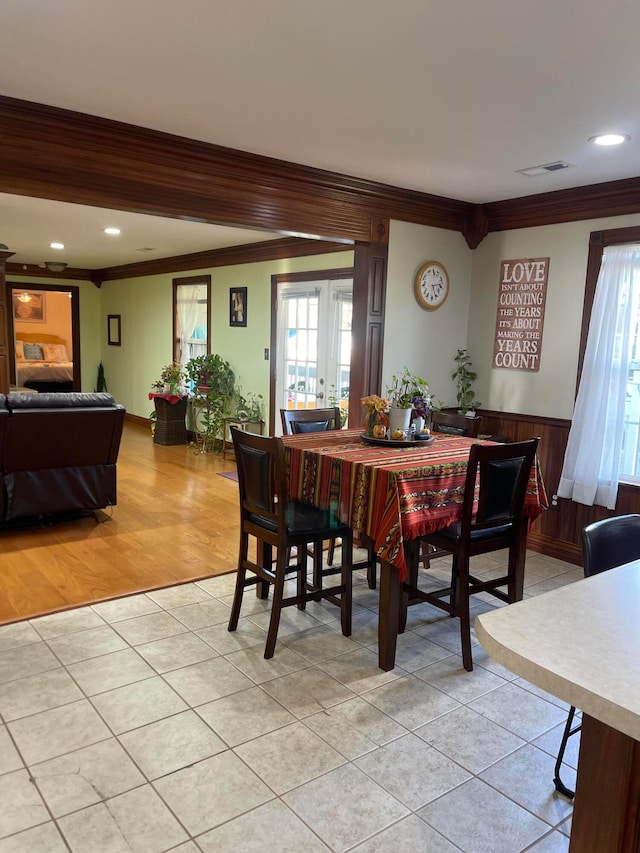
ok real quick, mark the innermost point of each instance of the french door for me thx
(314, 344)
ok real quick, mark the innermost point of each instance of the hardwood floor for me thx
(175, 521)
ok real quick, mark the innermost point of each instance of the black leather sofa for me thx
(58, 453)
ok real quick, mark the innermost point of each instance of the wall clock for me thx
(431, 285)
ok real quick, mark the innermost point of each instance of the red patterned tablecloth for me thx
(388, 493)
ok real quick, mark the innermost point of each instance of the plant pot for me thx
(399, 419)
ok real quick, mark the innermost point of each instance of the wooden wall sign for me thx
(520, 316)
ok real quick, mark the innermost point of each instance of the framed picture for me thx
(238, 306)
(114, 329)
(29, 306)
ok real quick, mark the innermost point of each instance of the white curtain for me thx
(592, 460)
(187, 308)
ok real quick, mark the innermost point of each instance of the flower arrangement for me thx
(172, 375)
(376, 421)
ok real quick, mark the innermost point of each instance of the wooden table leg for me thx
(606, 814)
(389, 610)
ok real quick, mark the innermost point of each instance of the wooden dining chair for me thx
(451, 423)
(296, 421)
(277, 523)
(492, 519)
(606, 545)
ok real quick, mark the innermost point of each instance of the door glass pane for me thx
(301, 336)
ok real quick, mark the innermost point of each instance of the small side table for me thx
(227, 441)
(170, 425)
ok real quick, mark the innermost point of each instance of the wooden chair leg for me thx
(240, 579)
(372, 567)
(262, 587)
(276, 607)
(462, 608)
(331, 552)
(346, 577)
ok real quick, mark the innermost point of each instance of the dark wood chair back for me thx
(309, 420)
(280, 524)
(451, 423)
(610, 543)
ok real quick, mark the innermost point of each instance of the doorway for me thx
(313, 341)
(44, 339)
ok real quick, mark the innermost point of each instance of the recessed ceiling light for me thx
(114, 231)
(56, 245)
(610, 139)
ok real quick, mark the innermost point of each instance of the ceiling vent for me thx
(534, 171)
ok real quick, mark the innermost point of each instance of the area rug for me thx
(230, 475)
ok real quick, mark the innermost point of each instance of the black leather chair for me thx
(451, 423)
(498, 475)
(295, 421)
(606, 544)
(278, 523)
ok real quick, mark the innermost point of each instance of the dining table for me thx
(389, 492)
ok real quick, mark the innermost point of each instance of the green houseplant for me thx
(213, 388)
(172, 379)
(464, 377)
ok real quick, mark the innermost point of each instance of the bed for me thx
(42, 362)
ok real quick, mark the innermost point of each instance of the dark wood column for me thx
(5, 329)
(369, 293)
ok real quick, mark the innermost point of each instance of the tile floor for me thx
(142, 725)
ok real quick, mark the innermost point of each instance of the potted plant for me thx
(401, 393)
(172, 379)
(212, 399)
(249, 408)
(464, 378)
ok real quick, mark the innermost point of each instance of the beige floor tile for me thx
(519, 711)
(321, 643)
(21, 805)
(526, 776)
(86, 776)
(359, 670)
(43, 839)
(272, 826)
(307, 691)
(219, 585)
(555, 842)
(9, 756)
(550, 743)
(67, 622)
(137, 704)
(58, 731)
(135, 822)
(244, 715)
(452, 678)
(26, 660)
(411, 701)
(345, 807)
(171, 744)
(146, 629)
(413, 772)
(83, 645)
(414, 652)
(98, 675)
(225, 641)
(206, 681)
(289, 757)
(126, 608)
(175, 652)
(212, 792)
(38, 692)
(179, 596)
(469, 738)
(254, 665)
(17, 634)
(409, 834)
(355, 727)
(478, 819)
(203, 614)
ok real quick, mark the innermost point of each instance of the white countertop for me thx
(580, 642)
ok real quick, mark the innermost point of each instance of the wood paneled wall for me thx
(558, 531)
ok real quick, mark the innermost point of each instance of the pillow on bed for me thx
(19, 349)
(33, 352)
(55, 352)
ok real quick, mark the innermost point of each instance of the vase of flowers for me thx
(376, 420)
(409, 398)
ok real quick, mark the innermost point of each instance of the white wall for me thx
(549, 392)
(425, 341)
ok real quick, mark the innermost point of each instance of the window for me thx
(191, 334)
(603, 446)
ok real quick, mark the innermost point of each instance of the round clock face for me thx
(431, 285)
